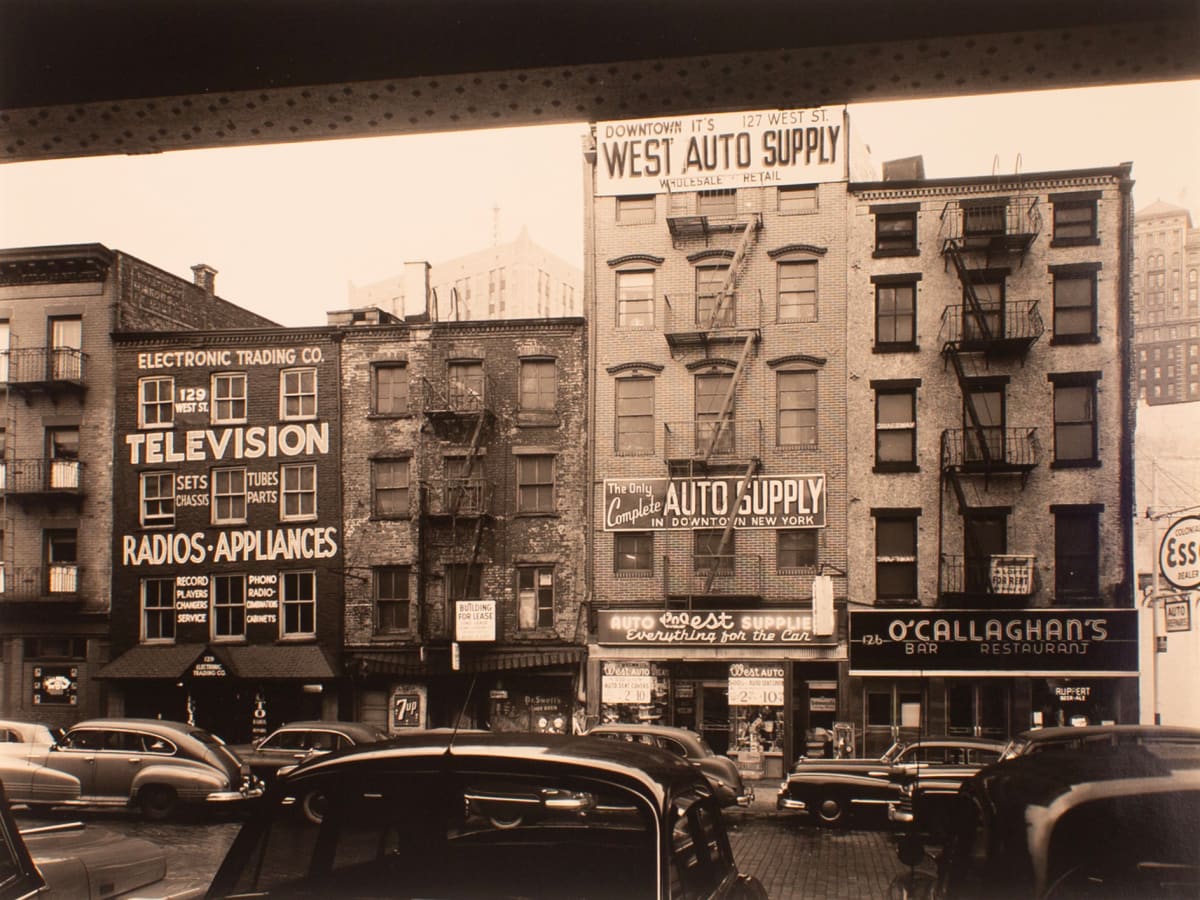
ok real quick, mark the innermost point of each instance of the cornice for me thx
(636, 257)
(796, 358)
(634, 366)
(224, 338)
(710, 254)
(712, 361)
(1018, 185)
(797, 248)
(61, 270)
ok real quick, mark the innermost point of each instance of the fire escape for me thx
(985, 334)
(456, 500)
(714, 445)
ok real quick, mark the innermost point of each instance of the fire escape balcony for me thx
(453, 398)
(1002, 225)
(55, 581)
(699, 320)
(738, 577)
(1009, 331)
(461, 498)
(706, 442)
(997, 581)
(33, 479)
(990, 450)
(48, 369)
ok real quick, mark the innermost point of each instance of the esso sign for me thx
(1179, 554)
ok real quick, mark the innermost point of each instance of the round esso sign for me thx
(1179, 554)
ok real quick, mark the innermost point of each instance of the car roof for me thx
(655, 772)
(661, 730)
(330, 725)
(147, 724)
(1069, 732)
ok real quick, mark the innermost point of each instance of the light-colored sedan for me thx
(24, 747)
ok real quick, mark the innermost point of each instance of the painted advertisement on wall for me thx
(666, 504)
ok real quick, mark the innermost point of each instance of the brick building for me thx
(227, 557)
(717, 314)
(465, 530)
(59, 307)
(1166, 303)
(991, 432)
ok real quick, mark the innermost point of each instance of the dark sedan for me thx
(830, 789)
(490, 815)
(296, 741)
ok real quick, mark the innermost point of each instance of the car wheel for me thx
(157, 802)
(313, 805)
(831, 811)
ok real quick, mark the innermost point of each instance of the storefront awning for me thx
(437, 662)
(268, 662)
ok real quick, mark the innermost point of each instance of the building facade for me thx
(991, 426)
(1166, 302)
(717, 315)
(465, 531)
(516, 280)
(59, 307)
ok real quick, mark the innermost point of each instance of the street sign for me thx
(1178, 614)
(1179, 554)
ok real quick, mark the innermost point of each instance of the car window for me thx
(977, 756)
(8, 736)
(152, 743)
(286, 740)
(84, 739)
(674, 746)
(323, 741)
(700, 859)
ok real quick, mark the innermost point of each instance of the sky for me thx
(288, 227)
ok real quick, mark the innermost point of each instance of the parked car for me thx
(23, 772)
(1165, 740)
(721, 771)
(490, 815)
(27, 740)
(70, 860)
(831, 789)
(296, 741)
(153, 764)
(1112, 822)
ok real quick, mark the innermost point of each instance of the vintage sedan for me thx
(296, 741)
(721, 771)
(70, 860)
(489, 815)
(153, 764)
(1113, 823)
(832, 789)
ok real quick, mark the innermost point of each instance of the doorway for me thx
(713, 715)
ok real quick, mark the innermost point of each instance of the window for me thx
(895, 429)
(229, 496)
(299, 598)
(298, 394)
(635, 299)
(62, 449)
(635, 416)
(984, 433)
(392, 599)
(1074, 221)
(156, 402)
(1074, 304)
(62, 549)
(158, 609)
(635, 210)
(895, 555)
(228, 606)
(896, 316)
(391, 390)
(798, 199)
(229, 397)
(1075, 437)
(466, 382)
(298, 484)
(463, 581)
(535, 484)
(719, 202)
(797, 399)
(707, 555)
(985, 218)
(66, 348)
(391, 486)
(1076, 553)
(712, 435)
(798, 291)
(538, 390)
(535, 597)
(709, 282)
(989, 291)
(158, 499)
(896, 233)
(633, 552)
(796, 549)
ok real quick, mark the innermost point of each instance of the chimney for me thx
(416, 292)
(911, 168)
(205, 277)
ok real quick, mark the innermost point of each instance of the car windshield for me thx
(425, 834)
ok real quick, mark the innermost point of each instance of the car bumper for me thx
(746, 798)
(785, 802)
(901, 815)
(251, 790)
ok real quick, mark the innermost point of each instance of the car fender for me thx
(29, 782)
(813, 783)
(190, 783)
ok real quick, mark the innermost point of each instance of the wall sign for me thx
(689, 628)
(475, 620)
(407, 707)
(1178, 614)
(1179, 553)
(208, 666)
(626, 682)
(664, 504)
(55, 685)
(755, 685)
(981, 642)
(1012, 575)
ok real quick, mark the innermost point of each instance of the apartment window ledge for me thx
(1075, 464)
(1063, 340)
(895, 468)
(896, 348)
(1075, 242)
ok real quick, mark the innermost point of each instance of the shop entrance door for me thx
(713, 714)
(894, 712)
(977, 709)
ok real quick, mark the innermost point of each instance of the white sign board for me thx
(1178, 613)
(769, 147)
(626, 688)
(752, 685)
(475, 620)
(1012, 574)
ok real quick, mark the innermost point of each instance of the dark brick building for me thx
(59, 307)
(465, 533)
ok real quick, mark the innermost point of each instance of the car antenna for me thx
(462, 712)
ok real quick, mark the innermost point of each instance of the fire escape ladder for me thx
(464, 476)
(472, 561)
(731, 274)
(973, 308)
(727, 534)
(724, 417)
(953, 353)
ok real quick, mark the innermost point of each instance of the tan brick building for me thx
(58, 307)
(465, 531)
(990, 424)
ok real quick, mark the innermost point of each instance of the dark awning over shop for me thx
(305, 662)
(408, 662)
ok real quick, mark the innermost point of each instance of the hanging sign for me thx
(1179, 553)
(1013, 575)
